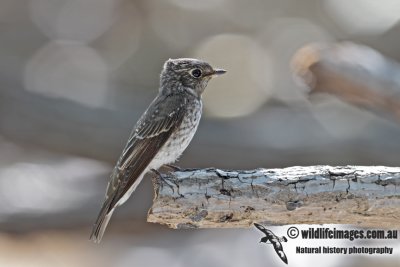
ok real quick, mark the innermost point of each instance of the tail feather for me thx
(101, 223)
(113, 200)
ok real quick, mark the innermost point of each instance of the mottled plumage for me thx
(162, 133)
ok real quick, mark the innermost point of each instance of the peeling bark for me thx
(214, 198)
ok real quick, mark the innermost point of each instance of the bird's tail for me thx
(101, 223)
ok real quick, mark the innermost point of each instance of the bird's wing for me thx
(279, 250)
(261, 228)
(150, 133)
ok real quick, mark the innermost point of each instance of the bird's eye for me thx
(196, 73)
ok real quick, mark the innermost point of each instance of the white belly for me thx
(179, 141)
(173, 148)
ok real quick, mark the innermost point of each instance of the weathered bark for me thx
(213, 198)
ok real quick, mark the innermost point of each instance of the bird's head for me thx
(190, 73)
(264, 239)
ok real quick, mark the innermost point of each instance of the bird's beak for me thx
(218, 72)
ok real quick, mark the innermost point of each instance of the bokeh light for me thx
(36, 188)
(363, 17)
(68, 70)
(249, 72)
(289, 34)
(181, 28)
(122, 38)
(77, 20)
(198, 5)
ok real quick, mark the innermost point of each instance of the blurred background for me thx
(75, 75)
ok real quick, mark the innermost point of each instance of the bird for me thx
(161, 134)
(274, 240)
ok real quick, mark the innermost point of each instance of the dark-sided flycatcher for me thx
(161, 134)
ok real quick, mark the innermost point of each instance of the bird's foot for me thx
(170, 182)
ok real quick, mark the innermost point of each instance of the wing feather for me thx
(149, 135)
(261, 228)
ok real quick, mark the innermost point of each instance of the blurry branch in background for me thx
(213, 198)
(61, 125)
(354, 73)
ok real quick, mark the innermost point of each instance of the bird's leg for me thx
(165, 180)
(172, 167)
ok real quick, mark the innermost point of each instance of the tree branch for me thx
(213, 198)
(354, 73)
